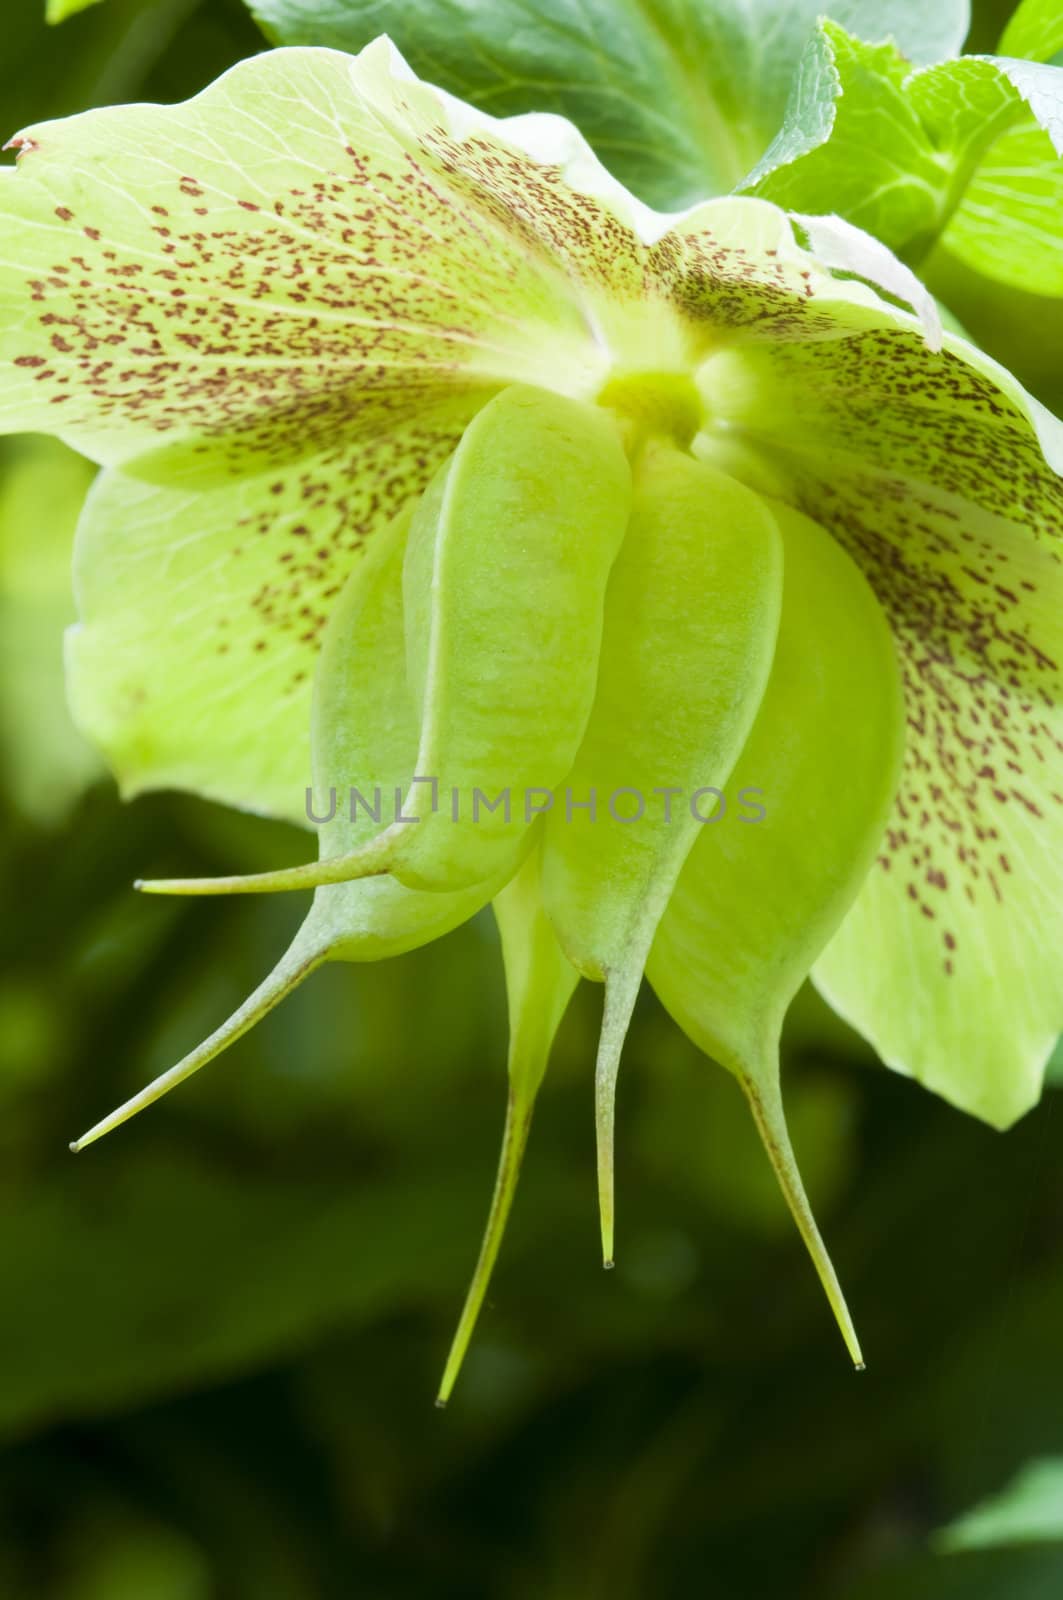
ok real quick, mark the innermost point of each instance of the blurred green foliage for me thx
(1028, 1511)
(224, 1325)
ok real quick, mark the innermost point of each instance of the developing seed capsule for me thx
(505, 573)
(539, 985)
(365, 722)
(506, 569)
(692, 612)
(756, 903)
(373, 918)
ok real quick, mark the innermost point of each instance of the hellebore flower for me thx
(437, 466)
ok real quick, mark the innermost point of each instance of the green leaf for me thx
(184, 1271)
(967, 1575)
(1035, 31)
(1002, 123)
(1009, 225)
(966, 151)
(1028, 1510)
(59, 10)
(853, 144)
(678, 100)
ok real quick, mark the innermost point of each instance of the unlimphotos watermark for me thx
(626, 804)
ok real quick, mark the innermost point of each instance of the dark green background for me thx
(223, 1326)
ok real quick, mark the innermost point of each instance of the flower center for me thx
(655, 405)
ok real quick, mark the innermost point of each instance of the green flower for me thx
(438, 468)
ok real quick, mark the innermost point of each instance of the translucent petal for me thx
(940, 477)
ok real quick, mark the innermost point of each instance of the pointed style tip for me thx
(289, 972)
(606, 1228)
(765, 1101)
(78, 1145)
(370, 862)
(177, 885)
(621, 991)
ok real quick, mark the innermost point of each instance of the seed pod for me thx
(539, 985)
(509, 553)
(756, 902)
(373, 918)
(691, 617)
(365, 723)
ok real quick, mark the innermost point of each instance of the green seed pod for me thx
(506, 570)
(757, 902)
(365, 722)
(508, 557)
(691, 618)
(373, 918)
(539, 985)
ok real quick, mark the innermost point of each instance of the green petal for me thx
(678, 688)
(931, 470)
(255, 269)
(760, 896)
(539, 985)
(203, 607)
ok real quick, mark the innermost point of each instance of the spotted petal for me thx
(941, 478)
(270, 312)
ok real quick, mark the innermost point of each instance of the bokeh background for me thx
(223, 1326)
